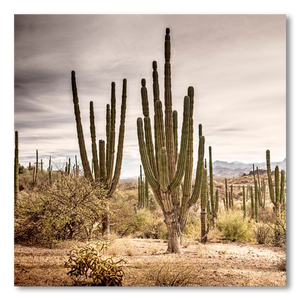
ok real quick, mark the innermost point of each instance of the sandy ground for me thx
(213, 264)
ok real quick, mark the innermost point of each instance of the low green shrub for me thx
(234, 227)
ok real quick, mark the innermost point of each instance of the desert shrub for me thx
(281, 265)
(193, 226)
(70, 208)
(168, 273)
(279, 228)
(90, 264)
(147, 224)
(262, 233)
(234, 227)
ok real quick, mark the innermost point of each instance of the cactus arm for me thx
(211, 180)
(111, 152)
(160, 138)
(175, 134)
(155, 81)
(244, 202)
(163, 170)
(94, 145)
(183, 146)
(144, 157)
(168, 107)
(119, 158)
(271, 189)
(149, 145)
(80, 136)
(256, 201)
(108, 125)
(147, 128)
(282, 194)
(200, 165)
(204, 206)
(277, 189)
(102, 161)
(144, 96)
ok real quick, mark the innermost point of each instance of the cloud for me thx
(236, 64)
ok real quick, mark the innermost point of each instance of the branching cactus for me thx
(168, 169)
(106, 168)
(276, 195)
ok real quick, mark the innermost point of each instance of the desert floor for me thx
(147, 264)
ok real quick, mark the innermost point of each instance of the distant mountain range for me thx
(236, 168)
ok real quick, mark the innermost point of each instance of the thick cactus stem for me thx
(80, 136)
(94, 145)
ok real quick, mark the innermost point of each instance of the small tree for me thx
(66, 209)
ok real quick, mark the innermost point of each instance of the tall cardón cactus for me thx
(211, 187)
(107, 169)
(168, 169)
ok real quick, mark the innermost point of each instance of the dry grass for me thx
(213, 264)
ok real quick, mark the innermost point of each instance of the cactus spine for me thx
(165, 167)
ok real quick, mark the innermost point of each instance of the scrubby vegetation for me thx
(69, 208)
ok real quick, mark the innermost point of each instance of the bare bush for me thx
(168, 273)
(263, 233)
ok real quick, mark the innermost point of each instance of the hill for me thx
(236, 168)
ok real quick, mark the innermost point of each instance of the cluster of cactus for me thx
(89, 263)
(104, 162)
(277, 193)
(228, 203)
(278, 196)
(168, 169)
(143, 191)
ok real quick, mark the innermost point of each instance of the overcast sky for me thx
(236, 63)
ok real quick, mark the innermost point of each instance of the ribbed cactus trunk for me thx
(83, 154)
(256, 201)
(211, 188)
(226, 195)
(50, 171)
(252, 203)
(244, 202)
(203, 217)
(167, 169)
